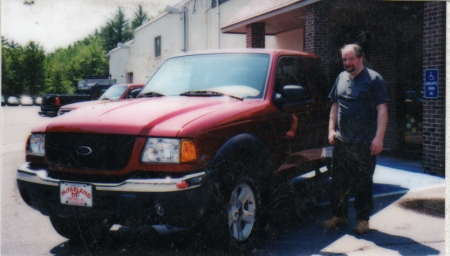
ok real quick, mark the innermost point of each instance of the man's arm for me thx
(382, 120)
(333, 121)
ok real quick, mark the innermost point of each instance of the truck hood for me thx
(160, 116)
(83, 104)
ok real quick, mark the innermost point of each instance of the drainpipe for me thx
(218, 24)
(184, 11)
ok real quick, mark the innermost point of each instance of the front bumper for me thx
(133, 201)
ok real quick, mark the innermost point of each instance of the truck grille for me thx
(92, 151)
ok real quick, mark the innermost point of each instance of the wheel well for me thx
(243, 147)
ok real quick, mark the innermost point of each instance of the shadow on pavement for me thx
(291, 235)
(308, 238)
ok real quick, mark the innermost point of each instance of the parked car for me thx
(214, 142)
(26, 100)
(37, 101)
(3, 101)
(115, 92)
(12, 101)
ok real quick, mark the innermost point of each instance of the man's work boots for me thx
(362, 227)
(335, 222)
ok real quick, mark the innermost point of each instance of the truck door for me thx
(291, 76)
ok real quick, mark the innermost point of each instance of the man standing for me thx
(358, 120)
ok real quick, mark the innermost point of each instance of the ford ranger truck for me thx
(206, 145)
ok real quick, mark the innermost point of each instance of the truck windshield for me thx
(113, 93)
(237, 74)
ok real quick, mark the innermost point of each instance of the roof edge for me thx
(231, 27)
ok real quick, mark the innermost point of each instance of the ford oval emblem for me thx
(84, 150)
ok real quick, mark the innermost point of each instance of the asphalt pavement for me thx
(408, 218)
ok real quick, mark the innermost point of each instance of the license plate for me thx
(77, 194)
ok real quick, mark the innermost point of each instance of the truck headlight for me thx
(165, 150)
(36, 145)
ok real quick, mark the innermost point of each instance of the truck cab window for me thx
(290, 71)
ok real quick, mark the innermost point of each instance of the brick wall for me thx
(317, 41)
(255, 35)
(385, 63)
(434, 109)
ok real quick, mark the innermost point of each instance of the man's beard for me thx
(350, 69)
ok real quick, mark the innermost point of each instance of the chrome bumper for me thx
(40, 176)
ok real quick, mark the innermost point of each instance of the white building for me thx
(194, 25)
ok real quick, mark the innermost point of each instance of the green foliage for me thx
(66, 67)
(28, 70)
(32, 62)
(22, 68)
(115, 31)
(140, 17)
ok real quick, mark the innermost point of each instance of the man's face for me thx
(352, 64)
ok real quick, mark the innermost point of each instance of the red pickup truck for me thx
(208, 144)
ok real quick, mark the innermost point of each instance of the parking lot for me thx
(407, 220)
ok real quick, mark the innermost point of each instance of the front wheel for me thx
(246, 216)
(242, 212)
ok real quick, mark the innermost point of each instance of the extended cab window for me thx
(290, 71)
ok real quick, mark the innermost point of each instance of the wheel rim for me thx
(241, 214)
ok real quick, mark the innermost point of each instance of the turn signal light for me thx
(188, 151)
(182, 185)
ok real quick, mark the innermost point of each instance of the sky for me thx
(59, 23)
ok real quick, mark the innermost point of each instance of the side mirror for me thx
(134, 93)
(293, 93)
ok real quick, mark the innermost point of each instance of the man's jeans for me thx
(352, 176)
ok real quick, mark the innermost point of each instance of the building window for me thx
(158, 46)
(214, 3)
(129, 78)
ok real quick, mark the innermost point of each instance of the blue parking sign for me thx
(431, 83)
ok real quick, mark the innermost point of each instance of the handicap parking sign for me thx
(431, 83)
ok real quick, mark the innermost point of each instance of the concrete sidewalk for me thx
(412, 225)
(408, 218)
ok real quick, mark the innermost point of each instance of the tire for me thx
(237, 217)
(84, 229)
(243, 203)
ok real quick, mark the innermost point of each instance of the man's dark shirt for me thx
(357, 100)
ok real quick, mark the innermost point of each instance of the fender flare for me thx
(242, 146)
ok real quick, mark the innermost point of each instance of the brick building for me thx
(401, 40)
(416, 126)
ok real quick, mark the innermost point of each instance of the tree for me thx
(116, 31)
(11, 69)
(140, 17)
(32, 65)
(66, 67)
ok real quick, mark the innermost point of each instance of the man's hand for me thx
(382, 119)
(377, 146)
(331, 136)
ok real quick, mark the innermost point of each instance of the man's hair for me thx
(358, 50)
